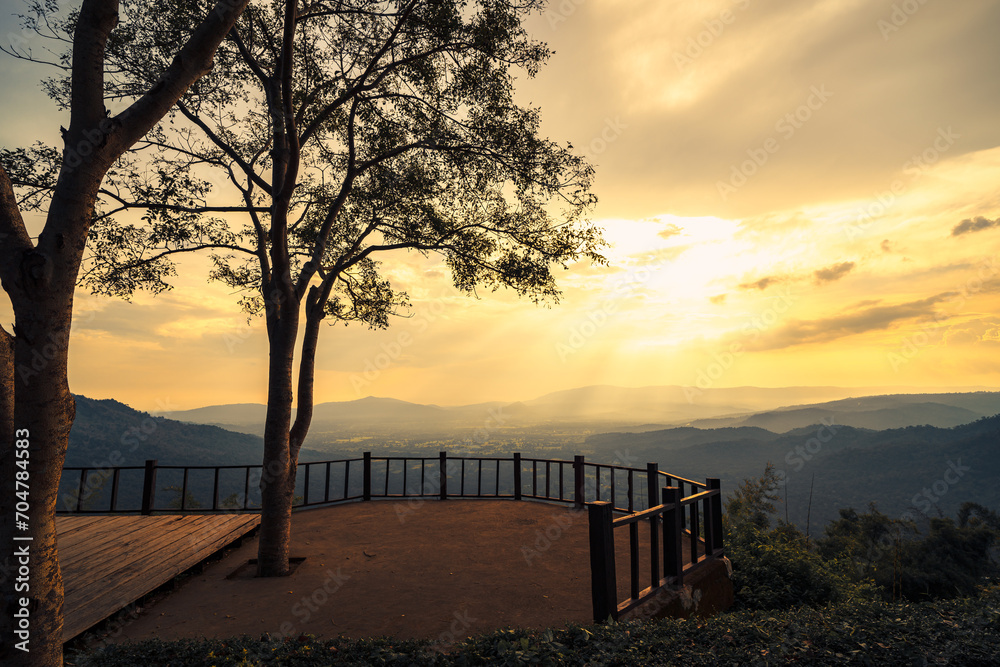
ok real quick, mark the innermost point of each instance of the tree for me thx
(773, 567)
(344, 132)
(39, 276)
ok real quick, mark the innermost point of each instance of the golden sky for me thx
(797, 193)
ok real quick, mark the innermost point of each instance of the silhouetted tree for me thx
(39, 276)
(341, 132)
(949, 560)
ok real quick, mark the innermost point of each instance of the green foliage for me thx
(947, 560)
(773, 567)
(397, 126)
(963, 631)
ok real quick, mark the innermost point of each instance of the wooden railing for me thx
(236, 487)
(636, 495)
(677, 518)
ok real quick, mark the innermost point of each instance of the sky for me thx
(796, 193)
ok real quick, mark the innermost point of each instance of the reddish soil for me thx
(435, 570)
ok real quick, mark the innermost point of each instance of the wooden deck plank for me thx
(116, 529)
(108, 562)
(179, 539)
(94, 592)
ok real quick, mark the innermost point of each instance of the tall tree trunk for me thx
(277, 483)
(42, 415)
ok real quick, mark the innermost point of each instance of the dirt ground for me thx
(406, 569)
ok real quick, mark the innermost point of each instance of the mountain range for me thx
(777, 409)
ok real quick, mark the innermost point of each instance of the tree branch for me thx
(193, 61)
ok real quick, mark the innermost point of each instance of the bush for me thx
(774, 568)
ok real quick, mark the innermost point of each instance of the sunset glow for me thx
(793, 193)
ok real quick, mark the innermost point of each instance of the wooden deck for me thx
(108, 562)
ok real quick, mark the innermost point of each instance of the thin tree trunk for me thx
(277, 484)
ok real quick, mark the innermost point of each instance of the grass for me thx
(964, 631)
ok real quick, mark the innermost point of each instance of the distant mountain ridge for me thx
(107, 433)
(872, 412)
(905, 470)
(777, 409)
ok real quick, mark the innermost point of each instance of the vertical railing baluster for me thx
(215, 490)
(653, 497)
(614, 494)
(305, 485)
(326, 484)
(695, 532)
(443, 458)
(366, 483)
(79, 490)
(578, 482)
(517, 475)
(673, 559)
(631, 491)
(114, 488)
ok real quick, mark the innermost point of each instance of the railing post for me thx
(366, 476)
(603, 580)
(652, 484)
(653, 496)
(715, 484)
(578, 477)
(79, 490)
(149, 487)
(673, 549)
(517, 475)
(443, 457)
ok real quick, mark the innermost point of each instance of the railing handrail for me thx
(669, 515)
(549, 481)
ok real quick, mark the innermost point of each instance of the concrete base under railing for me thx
(706, 592)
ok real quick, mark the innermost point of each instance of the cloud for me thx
(718, 299)
(761, 284)
(852, 322)
(668, 231)
(976, 224)
(832, 273)
(886, 246)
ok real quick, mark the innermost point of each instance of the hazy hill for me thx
(874, 412)
(852, 466)
(106, 430)
(616, 406)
